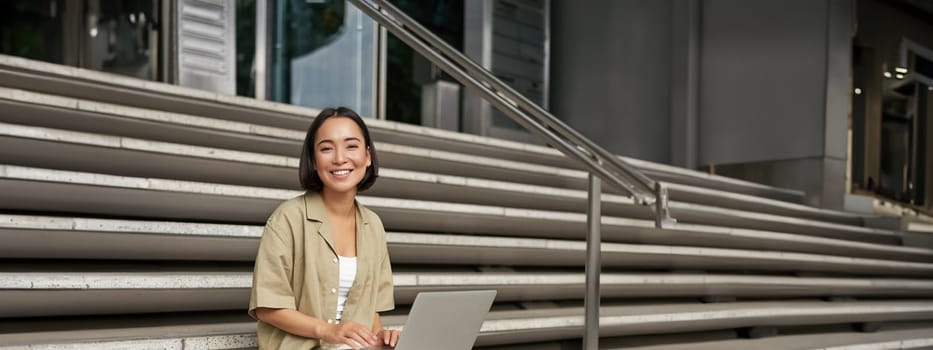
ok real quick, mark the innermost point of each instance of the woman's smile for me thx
(341, 174)
(340, 155)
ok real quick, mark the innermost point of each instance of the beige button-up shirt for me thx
(297, 268)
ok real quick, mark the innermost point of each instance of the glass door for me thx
(323, 54)
(118, 37)
(109, 36)
(34, 29)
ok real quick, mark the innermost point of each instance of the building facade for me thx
(828, 96)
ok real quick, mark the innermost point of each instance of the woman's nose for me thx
(340, 156)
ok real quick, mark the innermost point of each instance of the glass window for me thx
(245, 47)
(117, 39)
(32, 29)
(407, 71)
(323, 54)
(518, 52)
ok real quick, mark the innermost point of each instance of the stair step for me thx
(913, 335)
(215, 330)
(725, 199)
(509, 327)
(457, 249)
(647, 318)
(142, 290)
(173, 241)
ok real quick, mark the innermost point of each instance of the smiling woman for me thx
(344, 135)
(322, 272)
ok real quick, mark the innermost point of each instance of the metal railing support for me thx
(593, 264)
(662, 211)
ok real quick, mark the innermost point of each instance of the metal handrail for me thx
(601, 164)
(643, 189)
(474, 69)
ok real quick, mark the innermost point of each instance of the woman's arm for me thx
(290, 320)
(386, 337)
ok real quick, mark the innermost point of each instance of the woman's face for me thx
(340, 155)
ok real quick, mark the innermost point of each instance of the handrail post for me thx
(593, 265)
(662, 210)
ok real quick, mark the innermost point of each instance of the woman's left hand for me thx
(388, 337)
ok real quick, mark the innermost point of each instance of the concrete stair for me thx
(131, 211)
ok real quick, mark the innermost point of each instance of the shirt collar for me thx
(315, 210)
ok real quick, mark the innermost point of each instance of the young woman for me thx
(322, 273)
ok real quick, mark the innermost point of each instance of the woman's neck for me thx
(339, 204)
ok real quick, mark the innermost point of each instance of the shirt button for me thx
(329, 321)
(335, 260)
(333, 291)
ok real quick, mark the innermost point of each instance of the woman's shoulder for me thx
(367, 214)
(294, 203)
(291, 209)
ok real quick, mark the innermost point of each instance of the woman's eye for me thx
(353, 146)
(325, 149)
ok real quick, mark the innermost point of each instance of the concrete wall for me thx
(770, 78)
(763, 80)
(774, 93)
(610, 75)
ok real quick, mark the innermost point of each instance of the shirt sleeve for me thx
(385, 296)
(272, 287)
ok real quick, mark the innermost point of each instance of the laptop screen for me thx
(445, 320)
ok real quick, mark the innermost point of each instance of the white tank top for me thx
(347, 275)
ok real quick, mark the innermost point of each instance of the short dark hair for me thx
(308, 176)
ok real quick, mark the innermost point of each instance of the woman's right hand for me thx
(350, 333)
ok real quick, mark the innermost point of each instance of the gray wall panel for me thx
(611, 73)
(838, 82)
(685, 78)
(763, 80)
(759, 88)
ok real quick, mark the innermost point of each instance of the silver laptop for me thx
(445, 320)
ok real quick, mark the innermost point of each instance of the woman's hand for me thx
(349, 333)
(388, 337)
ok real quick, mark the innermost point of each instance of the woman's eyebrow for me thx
(351, 138)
